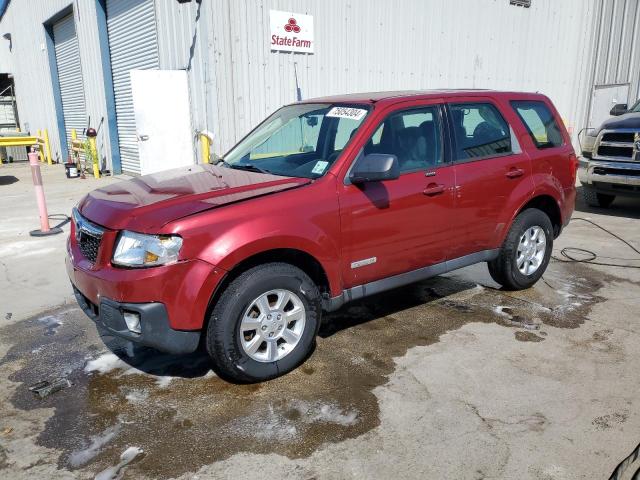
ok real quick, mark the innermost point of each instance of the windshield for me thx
(301, 140)
(635, 108)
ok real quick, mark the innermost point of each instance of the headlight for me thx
(140, 250)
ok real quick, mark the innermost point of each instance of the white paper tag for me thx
(319, 167)
(347, 112)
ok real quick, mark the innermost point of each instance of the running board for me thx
(382, 285)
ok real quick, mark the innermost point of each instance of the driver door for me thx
(395, 226)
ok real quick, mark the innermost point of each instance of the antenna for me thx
(298, 91)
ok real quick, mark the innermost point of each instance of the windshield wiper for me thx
(248, 168)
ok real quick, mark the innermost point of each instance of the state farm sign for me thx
(291, 32)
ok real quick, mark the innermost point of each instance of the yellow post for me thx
(94, 155)
(74, 134)
(40, 152)
(47, 147)
(205, 144)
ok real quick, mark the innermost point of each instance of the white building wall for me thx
(360, 45)
(28, 61)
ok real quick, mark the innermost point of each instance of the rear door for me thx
(493, 174)
(400, 225)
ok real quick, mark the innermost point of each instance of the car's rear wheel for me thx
(264, 324)
(595, 199)
(526, 251)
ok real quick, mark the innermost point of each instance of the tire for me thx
(505, 269)
(595, 199)
(230, 350)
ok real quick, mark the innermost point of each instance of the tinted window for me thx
(413, 136)
(541, 125)
(479, 130)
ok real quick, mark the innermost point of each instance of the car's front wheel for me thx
(526, 251)
(264, 324)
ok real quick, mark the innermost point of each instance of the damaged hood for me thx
(151, 201)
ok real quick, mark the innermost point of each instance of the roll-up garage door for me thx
(133, 45)
(65, 44)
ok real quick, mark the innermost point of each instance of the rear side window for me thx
(540, 124)
(480, 131)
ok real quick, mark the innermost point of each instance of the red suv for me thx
(326, 201)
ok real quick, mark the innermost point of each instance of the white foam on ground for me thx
(105, 363)
(115, 472)
(81, 457)
(137, 396)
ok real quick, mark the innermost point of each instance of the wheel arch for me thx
(292, 256)
(548, 205)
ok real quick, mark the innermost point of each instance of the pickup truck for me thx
(327, 201)
(610, 161)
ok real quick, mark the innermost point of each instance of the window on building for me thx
(540, 124)
(480, 131)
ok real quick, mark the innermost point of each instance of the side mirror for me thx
(618, 109)
(375, 167)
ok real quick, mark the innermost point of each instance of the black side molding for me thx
(361, 291)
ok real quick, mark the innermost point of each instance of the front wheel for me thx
(526, 251)
(264, 324)
(595, 199)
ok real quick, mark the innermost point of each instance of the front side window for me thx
(301, 140)
(480, 131)
(413, 136)
(542, 127)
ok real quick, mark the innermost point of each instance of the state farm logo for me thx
(292, 26)
(291, 32)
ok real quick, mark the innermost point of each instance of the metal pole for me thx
(45, 229)
(47, 147)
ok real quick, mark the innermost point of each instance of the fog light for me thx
(133, 322)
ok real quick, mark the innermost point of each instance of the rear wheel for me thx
(526, 251)
(595, 199)
(264, 324)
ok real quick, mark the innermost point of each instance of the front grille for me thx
(619, 146)
(89, 246)
(88, 236)
(625, 137)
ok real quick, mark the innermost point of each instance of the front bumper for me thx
(154, 320)
(617, 178)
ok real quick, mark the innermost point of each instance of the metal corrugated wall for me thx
(69, 75)
(368, 45)
(28, 61)
(133, 45)
(235, 80)
(618, 49)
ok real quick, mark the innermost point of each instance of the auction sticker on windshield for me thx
(347, 112)
(319, 167)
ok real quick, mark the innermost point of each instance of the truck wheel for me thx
(594, 199)
(264, 324)
(526, 251)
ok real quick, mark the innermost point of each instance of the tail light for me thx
(573, 160)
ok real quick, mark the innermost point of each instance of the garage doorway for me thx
(133, 45)
(69, 74)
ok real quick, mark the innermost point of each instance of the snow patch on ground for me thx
(106, 363)
(97, 442)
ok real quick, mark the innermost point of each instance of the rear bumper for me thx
(616, 178)
(154, 322)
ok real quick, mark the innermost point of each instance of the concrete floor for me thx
(448, 378)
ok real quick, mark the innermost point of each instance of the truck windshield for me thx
(301, 140)
(635, 108)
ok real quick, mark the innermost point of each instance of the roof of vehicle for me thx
(372, 97)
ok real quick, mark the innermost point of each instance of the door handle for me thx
(515, 173)
(433, 189)
(143, 138)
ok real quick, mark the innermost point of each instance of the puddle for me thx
(183, 417)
